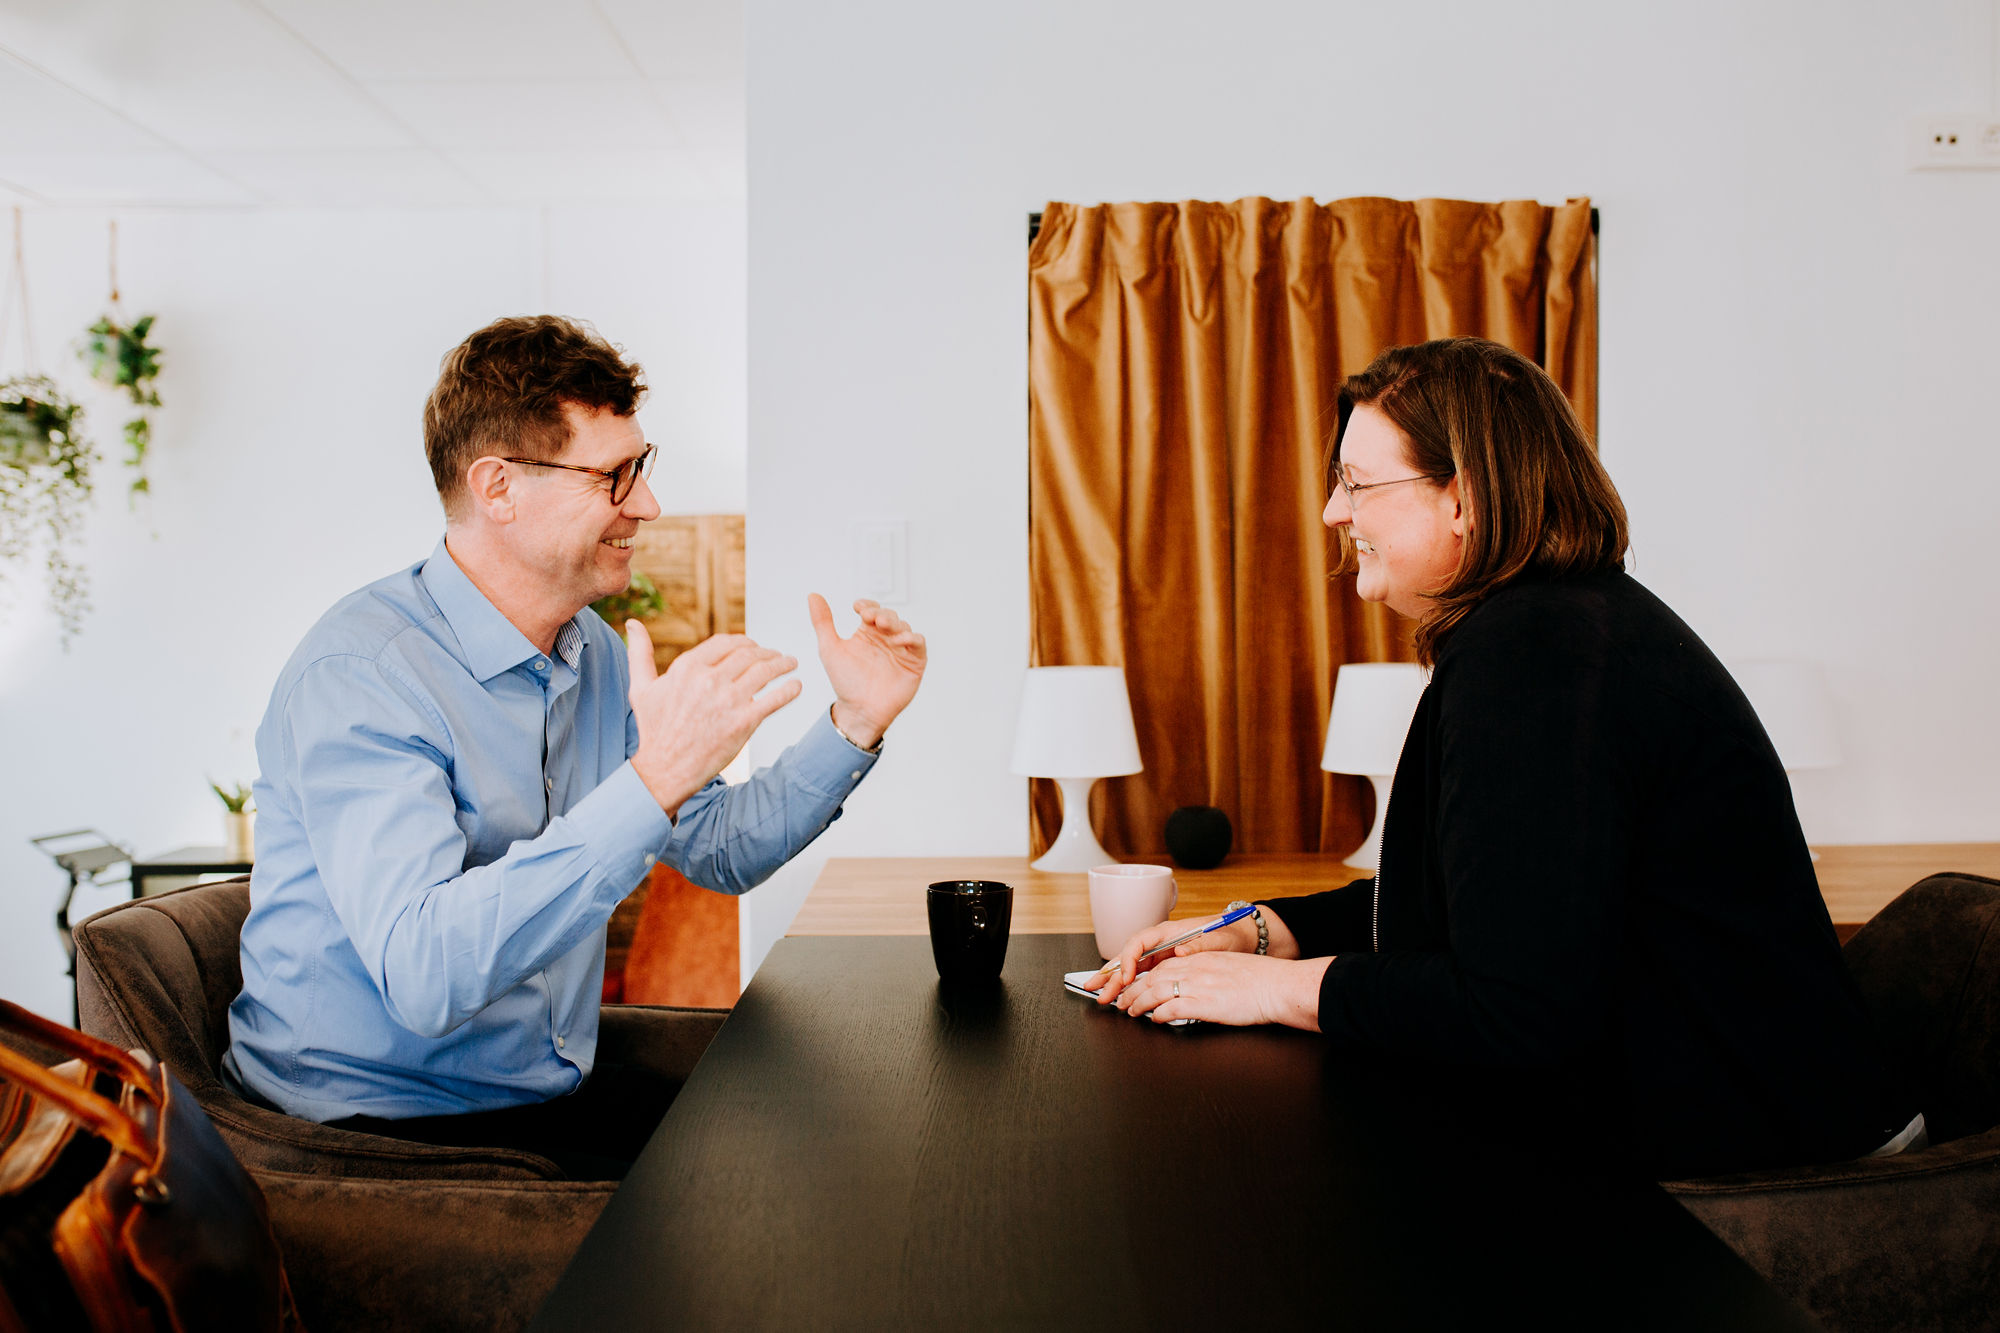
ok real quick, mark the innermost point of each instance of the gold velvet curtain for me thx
(1183, 365)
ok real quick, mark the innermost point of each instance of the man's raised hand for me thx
(694, 718)
(874, 671)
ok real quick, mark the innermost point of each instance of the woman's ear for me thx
(1455, 504)
(486, 482)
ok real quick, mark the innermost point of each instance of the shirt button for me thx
(559, 1043)
(855, 776)
(541, 664)
(550, 783)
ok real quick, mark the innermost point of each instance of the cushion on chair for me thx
(479, 1256)
(1929, 967)
(1911, 1241)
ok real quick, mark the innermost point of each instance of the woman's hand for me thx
(1220, 986)
(1241, 935)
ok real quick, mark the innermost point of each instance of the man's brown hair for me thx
(1536, 498)
(502, 391)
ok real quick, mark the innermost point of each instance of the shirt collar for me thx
(488, 641)
(569, 644)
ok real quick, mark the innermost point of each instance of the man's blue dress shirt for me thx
(445, 820)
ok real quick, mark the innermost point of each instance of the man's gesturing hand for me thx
(874, 671)
(696, 717)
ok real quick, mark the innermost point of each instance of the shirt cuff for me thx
(826, 762)
(622, 825)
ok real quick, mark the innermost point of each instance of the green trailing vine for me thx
(45, 484)
(121, 358)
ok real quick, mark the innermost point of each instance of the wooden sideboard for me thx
(884, 895)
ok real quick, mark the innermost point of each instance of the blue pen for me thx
(1226, 919)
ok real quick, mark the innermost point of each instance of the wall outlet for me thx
(1968, 142)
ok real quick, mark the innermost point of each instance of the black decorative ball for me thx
(1198, 837)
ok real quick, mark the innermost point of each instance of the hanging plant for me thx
(120, 358)
(45, 484)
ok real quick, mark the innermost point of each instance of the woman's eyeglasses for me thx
(1340, 475)
(621, 477)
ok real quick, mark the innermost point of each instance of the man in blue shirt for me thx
(463, 772)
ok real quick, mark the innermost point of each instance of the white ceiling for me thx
(364, 103)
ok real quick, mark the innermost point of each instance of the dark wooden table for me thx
(861, 1149)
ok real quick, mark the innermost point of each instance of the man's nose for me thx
(641, 504)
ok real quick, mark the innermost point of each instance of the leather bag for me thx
(121, 1209)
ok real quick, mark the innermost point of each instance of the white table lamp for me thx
(1373, 703)
(1076, 727)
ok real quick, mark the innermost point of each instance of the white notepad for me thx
(1073, 983)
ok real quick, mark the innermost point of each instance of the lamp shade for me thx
(1373, 703)
(1796, 708)
(1075, 722)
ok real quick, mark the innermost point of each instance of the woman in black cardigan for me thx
(1591, 870)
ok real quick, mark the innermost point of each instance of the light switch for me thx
(882, 560)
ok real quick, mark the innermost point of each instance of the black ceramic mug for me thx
(969, 921)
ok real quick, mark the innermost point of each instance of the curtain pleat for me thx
(1184, 361)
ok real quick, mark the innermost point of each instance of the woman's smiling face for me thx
(1409, 536)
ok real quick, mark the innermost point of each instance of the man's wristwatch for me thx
(1257, 914)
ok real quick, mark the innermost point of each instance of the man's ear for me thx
(486, 485)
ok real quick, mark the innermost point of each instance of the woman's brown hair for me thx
(1537, 501)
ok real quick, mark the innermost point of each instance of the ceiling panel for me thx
(93, 42)
(370, 102)
(261, 110)
(39, 114)
(376, 40)
(399, 178)
(159, 176)
(602, 175)
(523, 115)
(699, 39)
(201, 73)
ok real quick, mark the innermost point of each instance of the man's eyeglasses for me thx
(1340, 475)
(621, 477)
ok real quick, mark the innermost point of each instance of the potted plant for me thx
(45, 485)
(238, 821)
(119, 357)
(641, 598)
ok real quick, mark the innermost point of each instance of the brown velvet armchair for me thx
(377, 1233)
(1912, 1241)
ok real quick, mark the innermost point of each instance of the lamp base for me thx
(1368, 856)
(1076, 848)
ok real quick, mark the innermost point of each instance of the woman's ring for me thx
(1177, 990)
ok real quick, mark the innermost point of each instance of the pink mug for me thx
(1124, 900)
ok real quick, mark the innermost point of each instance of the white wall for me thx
(288, 469)
(1799, 336)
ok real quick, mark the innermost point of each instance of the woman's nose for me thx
(1336, 512)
